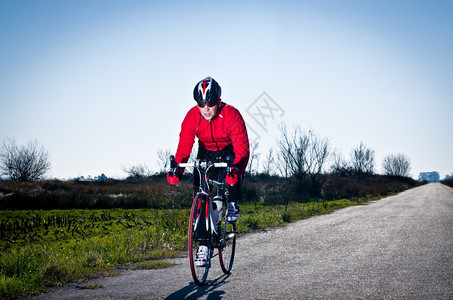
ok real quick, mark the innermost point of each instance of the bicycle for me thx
(206, 224)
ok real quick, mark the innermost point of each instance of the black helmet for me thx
(207, 91)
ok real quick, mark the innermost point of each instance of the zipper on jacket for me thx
(212, 135)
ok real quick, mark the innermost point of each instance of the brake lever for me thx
(229, 163)
(172, 164)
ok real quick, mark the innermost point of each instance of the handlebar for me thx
(204, 164)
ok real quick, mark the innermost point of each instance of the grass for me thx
(258, 217)
(82, 244)
(37, 253)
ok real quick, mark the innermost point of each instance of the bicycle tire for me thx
(228, 246)
(199, 274)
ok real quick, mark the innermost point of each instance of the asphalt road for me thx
(400, 247)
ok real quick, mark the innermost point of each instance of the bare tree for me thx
(340, 167)
(269, 162)
(24, 163)
(362, 159)
(138, 171)
(293, 149)
(281, 164)
(319, 153)
(254, 158)
(163, 160)
(303, 155)
(396, 165)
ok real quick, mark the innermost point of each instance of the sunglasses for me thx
(209, 104)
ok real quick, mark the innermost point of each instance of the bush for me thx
(151, 192)
(365, 187)
(448, 182)
(154, 192)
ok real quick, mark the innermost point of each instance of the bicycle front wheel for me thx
(198, 236)
(228, 246)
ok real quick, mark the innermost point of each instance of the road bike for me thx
(208, 225)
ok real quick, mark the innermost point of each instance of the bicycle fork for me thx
(205, 205)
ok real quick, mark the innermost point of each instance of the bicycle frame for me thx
(203, 169)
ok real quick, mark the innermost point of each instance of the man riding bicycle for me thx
(221, 132)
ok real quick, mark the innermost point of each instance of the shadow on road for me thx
(192, 291)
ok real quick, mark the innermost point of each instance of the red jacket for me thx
(226, 128)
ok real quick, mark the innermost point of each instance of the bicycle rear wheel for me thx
(228, 246)
(197, 225)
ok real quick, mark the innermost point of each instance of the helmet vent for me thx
(206, 87)
(207, 90)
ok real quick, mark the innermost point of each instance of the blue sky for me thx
(103, 85)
